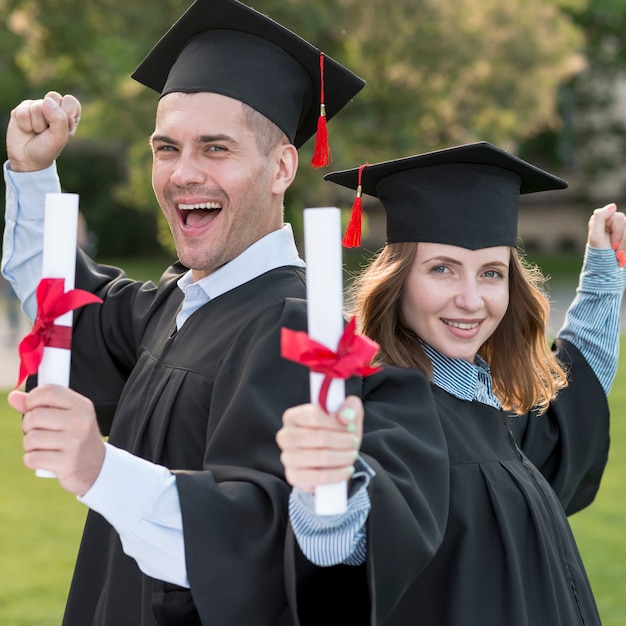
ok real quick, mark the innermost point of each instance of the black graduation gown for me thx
(207, 402)
(506, 554)
(404, 443)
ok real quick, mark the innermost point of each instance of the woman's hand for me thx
(607, 229)
(320, 448)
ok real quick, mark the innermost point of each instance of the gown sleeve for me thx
(112, 331)
(404, 443)
(570, 443)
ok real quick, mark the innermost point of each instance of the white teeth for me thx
(203, 205)
(461, 325)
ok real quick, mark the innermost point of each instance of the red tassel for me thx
(321, 151)
(352, 238)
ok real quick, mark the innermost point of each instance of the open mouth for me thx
(194, 215)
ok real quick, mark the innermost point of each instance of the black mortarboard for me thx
(226, 47)
(466, 195)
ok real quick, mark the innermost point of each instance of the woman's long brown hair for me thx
(525, 372)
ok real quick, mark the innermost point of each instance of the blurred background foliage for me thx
(532, 76)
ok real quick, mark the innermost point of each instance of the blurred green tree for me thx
(592, 141)
(438, 72)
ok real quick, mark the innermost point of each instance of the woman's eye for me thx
(493, 274)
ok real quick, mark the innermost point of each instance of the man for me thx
(185, 375)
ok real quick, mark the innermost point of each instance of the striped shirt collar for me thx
(462, 379)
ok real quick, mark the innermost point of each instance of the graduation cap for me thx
(465, 196)
(226, 47)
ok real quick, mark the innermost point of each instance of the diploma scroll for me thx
(59, 261)
(323, 254)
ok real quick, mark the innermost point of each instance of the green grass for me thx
(564, 266)
(599, 529)
(40, 528)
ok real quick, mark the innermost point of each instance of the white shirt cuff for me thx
(127, 489)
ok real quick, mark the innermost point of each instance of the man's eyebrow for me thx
(199, 139)
(161, 139)
(212, 138)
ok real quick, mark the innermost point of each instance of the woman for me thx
(526, 428)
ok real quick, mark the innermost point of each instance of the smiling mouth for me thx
(191, 214)
(461, 325)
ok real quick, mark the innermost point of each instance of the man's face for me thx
(217, 191)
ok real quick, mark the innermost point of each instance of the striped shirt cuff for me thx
(328, 540)
(592, 322)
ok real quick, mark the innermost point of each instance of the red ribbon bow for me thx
(52, 302)
(353, 356)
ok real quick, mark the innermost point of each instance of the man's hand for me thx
(61, 434)
(39, 130)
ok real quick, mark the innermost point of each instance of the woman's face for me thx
(454, 298)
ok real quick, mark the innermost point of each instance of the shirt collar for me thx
(458, 376)
(274, 250)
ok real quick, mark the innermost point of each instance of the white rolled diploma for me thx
(324, 288)
(59, 261)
